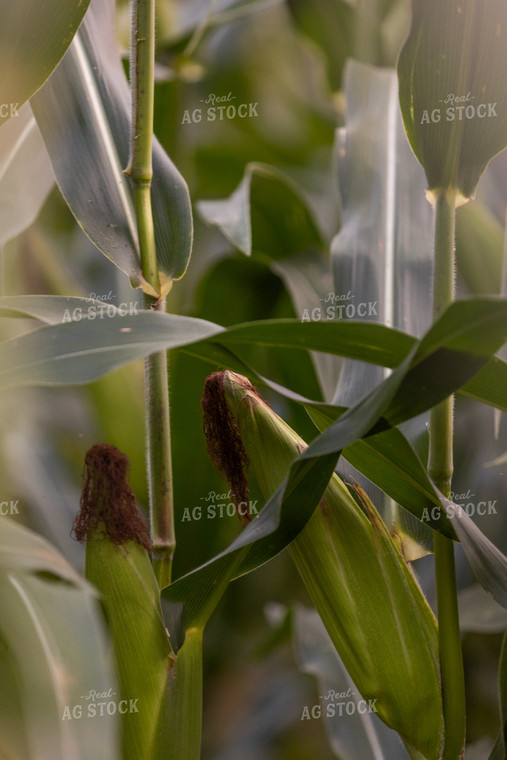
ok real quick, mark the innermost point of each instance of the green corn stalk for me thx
(366, 594)
(118, 564)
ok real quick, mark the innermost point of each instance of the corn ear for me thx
(118, 564)
(368, 598)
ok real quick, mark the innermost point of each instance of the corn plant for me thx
(343, 179)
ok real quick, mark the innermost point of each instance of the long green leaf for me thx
(81, 351)
(369, 342)
(34, 35)
(53, 655)
(83, 112)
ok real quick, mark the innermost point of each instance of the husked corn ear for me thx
(118, 564)
(368, 598)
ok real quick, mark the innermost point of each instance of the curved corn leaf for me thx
(83, 112)
(53, 654)
(34, 35)
(487, 562)
(453, 90)
(265, 214)
(389, 461)
(26, 176)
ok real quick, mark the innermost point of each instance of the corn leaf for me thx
(53, 655)
(83, 112)
(453, 91)
(265, 214)
(389, 461)
(80, 351)
(382, 253)
(26, 176)
(34, 35)
(361, 340)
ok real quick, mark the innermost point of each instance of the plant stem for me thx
(441, 469)
(160, 477)
(140, 172)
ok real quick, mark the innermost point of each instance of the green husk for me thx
(118, 564)
(179, 729)
(366, 594)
